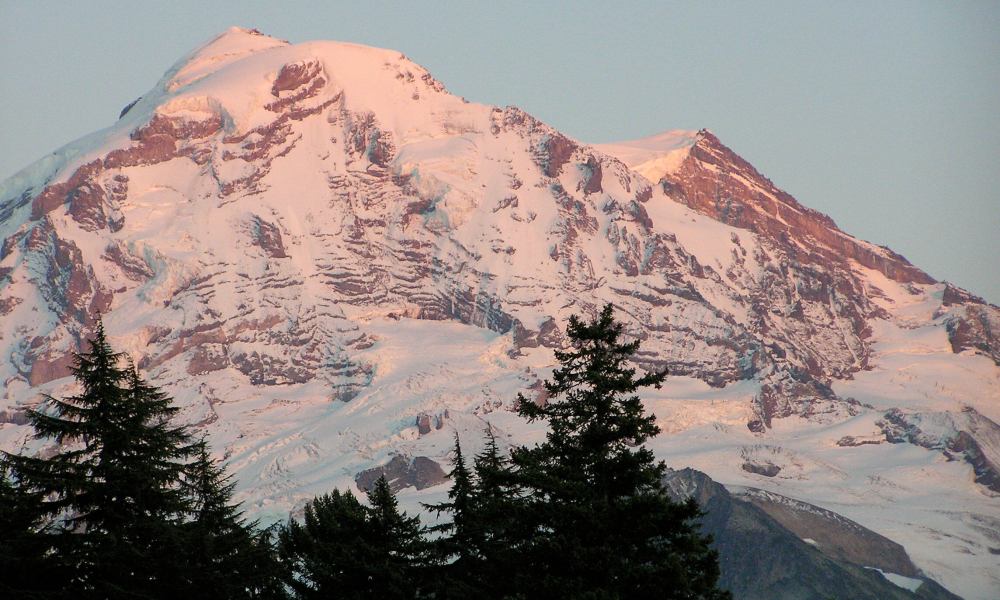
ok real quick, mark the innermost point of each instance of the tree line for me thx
(130, 504)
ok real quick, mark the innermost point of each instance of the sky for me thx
(885, 116)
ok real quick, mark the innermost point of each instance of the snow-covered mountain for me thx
(332, 264)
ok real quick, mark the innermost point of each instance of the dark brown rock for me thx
(717, 182)
(423, 424)
(593, 174)
(268, 237)
(294, 75)
(206, 358)
(556, 150)
(8, 304)
(767, 469)
(849, 441)
(69, 286)
(131, 266)
(14, 416)
(420, 472)
(366, 139)
(975, 327)
(46, 364)
(57, 194)
(956, 296)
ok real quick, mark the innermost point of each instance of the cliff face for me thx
(332, 263)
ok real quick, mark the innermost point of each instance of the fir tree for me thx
(481, 544)
(401, 550)
(28, 568)
(120, 510)
(324, 555)
(344, 549)
(225, 556)
(457, 551)
(111, 489)
(500, 524)
(602, 526)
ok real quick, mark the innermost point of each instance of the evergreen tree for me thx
(501, 524)
(401, 549)
(111, 489)
(481, 544)
(458, 549)
(602, 525)
(327, 554)
(344, 549)
(120, 510)
(27, 568)
(269, 581)
(224, 556)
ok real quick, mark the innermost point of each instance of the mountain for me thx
(332, 263)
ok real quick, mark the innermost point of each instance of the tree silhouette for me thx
(602, 526)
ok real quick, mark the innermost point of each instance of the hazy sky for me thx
(884, 115)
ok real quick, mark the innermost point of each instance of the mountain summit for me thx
(332, 263)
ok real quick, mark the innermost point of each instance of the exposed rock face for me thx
(128, 107)
(834, 535)
(763, 555)
(420, 472)
(16, 417)
(268, 237)
(715, 181)
(968, 434)
(131, 266)
(975, 327)
(767, 470)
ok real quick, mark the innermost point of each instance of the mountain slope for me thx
(273, 230)
(767, 551)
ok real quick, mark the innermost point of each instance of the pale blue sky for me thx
(885, 115)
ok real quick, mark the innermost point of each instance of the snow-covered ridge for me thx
(232, 76)
(232, 45)
(655, 156)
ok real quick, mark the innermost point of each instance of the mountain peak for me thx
(229, 46)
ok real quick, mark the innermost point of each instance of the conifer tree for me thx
(501, 525)
(400, 545)
(111, 489)
(225, 556)
(327, 552)
(602, 525)
(120, 509)
(344, 549)
(456, 542)
(270, 574)
(457, 551)
(28, 569)
(480, 546)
